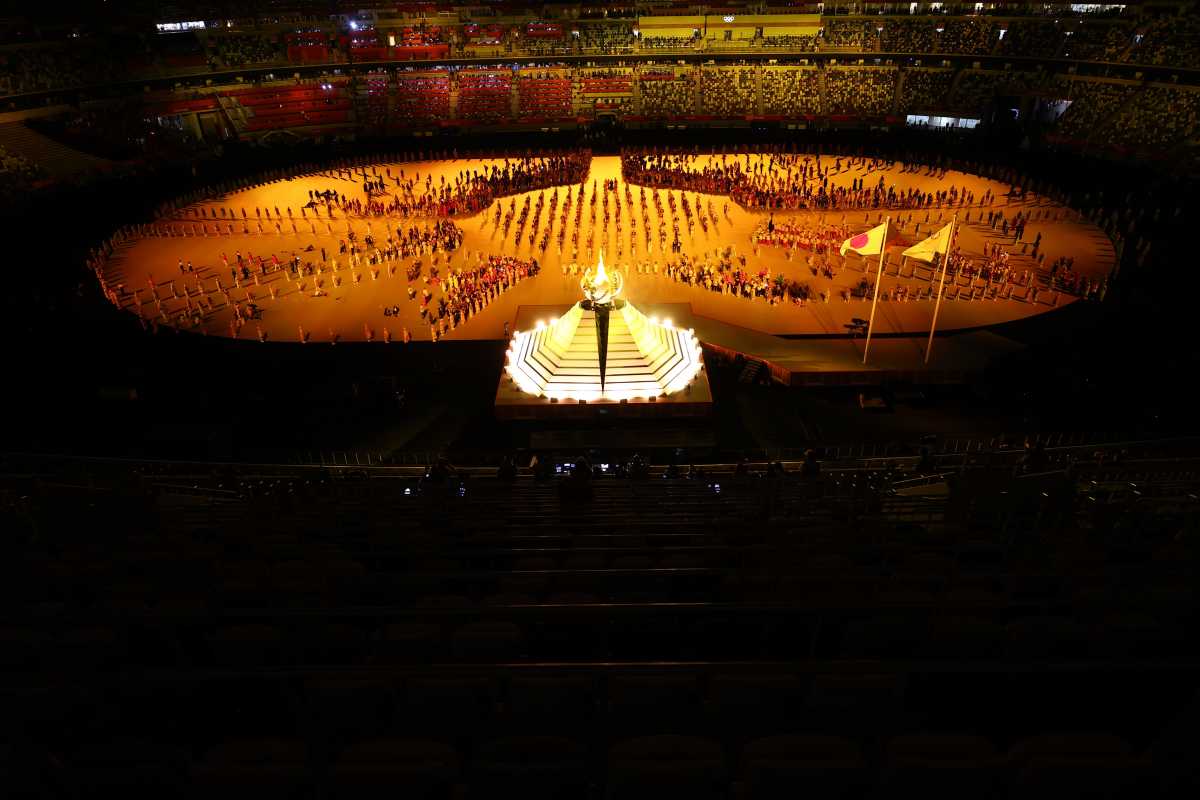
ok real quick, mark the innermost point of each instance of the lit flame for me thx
(601, 275)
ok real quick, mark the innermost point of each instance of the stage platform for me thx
(625, 364)
(820, 361)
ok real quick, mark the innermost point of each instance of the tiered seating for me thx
(544, 95)
(483, 34)
(1175, 111)
(665, 95)
(307, 47)
(606, 82)
(423, 42)
(269, 108)
(727, 91)
(791, 91)
(280, 631)
(422, 96)
(365, 45)
(859, 91)
(544, 30)
(1092, 104)
(972, 35)
(977, 88)
(925, 90)
(1098, 40)
(484, 96)
(373, 106)
(185, 106)
(1037, 38)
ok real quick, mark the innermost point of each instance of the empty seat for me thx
(854, 702)
(488, 641)
(530, 767)
(815, 766)
(1048, 637)
(450, 703)
(255, 768)
(1175, 752)
(766, 699)
(128, 768)
(568, 699)
(409, 643)
(666, 700)
(245, 646)
(343, 709)
(329, 644)
(1077, 766)
(416, 768)
(653, 767)
(941, 766)
(883, 637)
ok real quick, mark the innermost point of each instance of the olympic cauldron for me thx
(603, 348)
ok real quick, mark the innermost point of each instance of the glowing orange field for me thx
(351, 311)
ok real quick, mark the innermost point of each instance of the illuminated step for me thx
(645, 358)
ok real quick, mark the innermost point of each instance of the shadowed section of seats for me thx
(57, 159)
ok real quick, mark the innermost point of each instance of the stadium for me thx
(561, 399)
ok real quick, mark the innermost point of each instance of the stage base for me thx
(514, 404)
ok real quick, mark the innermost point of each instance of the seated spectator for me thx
(925, 90)
(668, 98)
(791, 91)
(1171, 39)
(727, 91)
(859, 91)
(795, 43)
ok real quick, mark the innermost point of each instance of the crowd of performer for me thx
(466, 292)
(655, 222)
(786, 181)
(467, 192)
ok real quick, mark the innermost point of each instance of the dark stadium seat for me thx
(646, 767)
(128, 768)
(827, 767)
(254, 767)
(1078, 766)
(941, 766)
(540, 767)
(415, 768)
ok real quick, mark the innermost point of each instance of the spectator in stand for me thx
(909, 35)
(795, 43)
(977, 88)
(1092, 102)
(848, 34)
(668, 98)
(17, 173)
(38, 69)
(970, 35)
(1098, 40)
(231, 51)
(1157, 116)
(1170, 39)
(670, 43)
(925, 90)
(791, 91)
(1029, 37)
(727, 91)
(859, 91)
(607, 12)
(606, 39)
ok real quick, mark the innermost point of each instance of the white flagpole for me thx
(941, 287)
(878, 280)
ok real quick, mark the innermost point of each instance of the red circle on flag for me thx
(860, 241)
